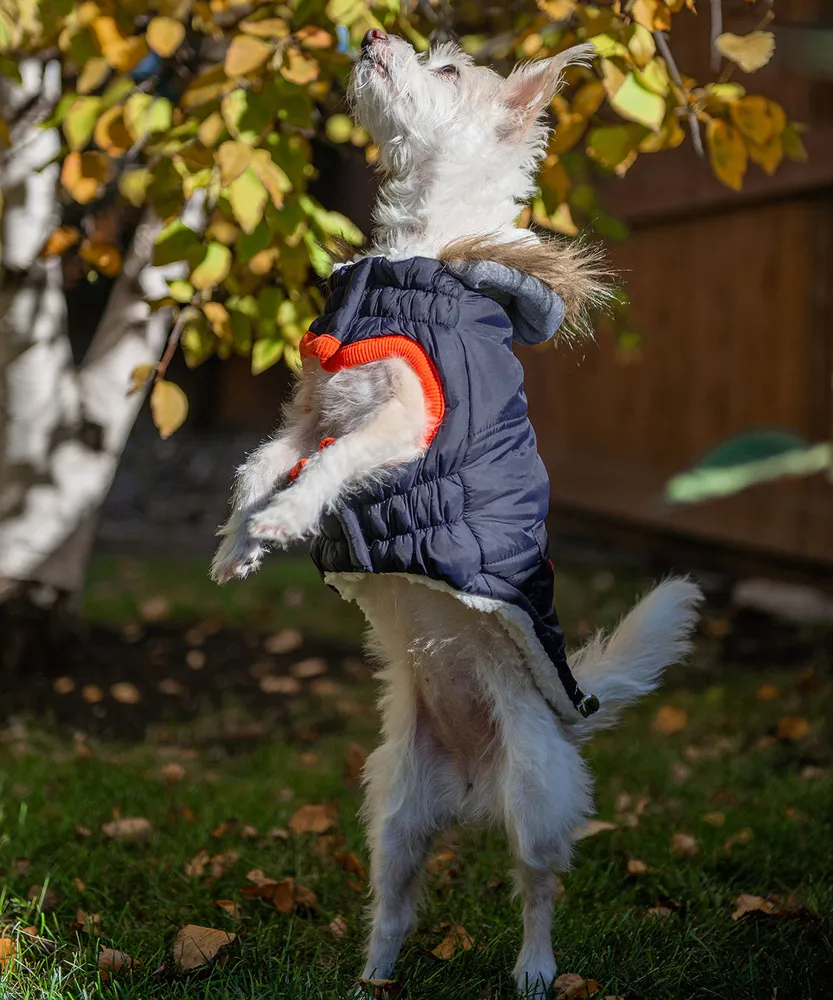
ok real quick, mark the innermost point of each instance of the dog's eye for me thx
(450, 71)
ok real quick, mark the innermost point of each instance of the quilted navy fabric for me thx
(471, 511)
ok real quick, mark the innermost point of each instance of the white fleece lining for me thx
(514, 620)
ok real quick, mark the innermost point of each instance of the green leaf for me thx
(331, 223)
(611, 145)
(742, 461)
(213, 267)
(793, 146)
(198, 340)
(249, 244)
(319, 259)
(265, 353)
(241, 331)
(339, 128)
(174, 243)
(79, 121)
(634, 102)
(247, 115)
(607, 46)
(247, 197)
(180, 290)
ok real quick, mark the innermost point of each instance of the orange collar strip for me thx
(334, 356)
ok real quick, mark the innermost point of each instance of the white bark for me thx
(62, 428)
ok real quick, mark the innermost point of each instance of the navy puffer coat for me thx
(470, 512)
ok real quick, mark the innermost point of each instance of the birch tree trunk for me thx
(63, 426)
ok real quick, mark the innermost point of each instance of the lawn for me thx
(720, 785)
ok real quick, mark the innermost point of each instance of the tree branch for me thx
(716, 31)
(665, 52)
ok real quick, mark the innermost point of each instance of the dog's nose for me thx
(374, 35)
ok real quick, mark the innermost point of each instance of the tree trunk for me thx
(62, 427)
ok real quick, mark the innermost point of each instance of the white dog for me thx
(407, 457)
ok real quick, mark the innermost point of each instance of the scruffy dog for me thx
(407, 456)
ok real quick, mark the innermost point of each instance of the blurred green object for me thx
(747, 459)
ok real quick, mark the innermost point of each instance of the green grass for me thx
(775, 798)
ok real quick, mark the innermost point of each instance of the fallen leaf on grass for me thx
(285, 641)
(154, 609)
(776, 906)
(767, 692)
(338, 927)
(229, 906)
(116, 961)
(7, 953)
(356, 757)
(279, 685)
(130, 828)
(456, 938)
(714, 818)
(173, 773)
(383, 989)
(569, 986)
(89, 923)
(792, 728)
(313, 818)
(637, 867)
(290, 896)
(741, 837)
(684, 845)
(45, 898)
(660, 911)
(195, 946)
(125, 693)
(197, 865)
(20, 866)
(308, 758)
(591, 828)
(669, 720)
(79, 884)
(305, 669)
(350, 863)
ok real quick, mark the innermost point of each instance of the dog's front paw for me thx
(238, 556)
(284, 521)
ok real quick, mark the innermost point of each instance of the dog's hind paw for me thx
(237, 557)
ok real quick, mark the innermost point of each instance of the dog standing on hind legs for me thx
(407, 457)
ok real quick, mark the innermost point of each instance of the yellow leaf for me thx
(727, 153)
(165, 35)
(84, 175)
(92, 75)
(211, 129)
(195, 946)
(779, 119)
(562, 220)
(61, 240)
(265, 353)
(7, 953)
(79, 122)
(556, 179)
(133, 185)
(750, 52)
(634, 102)
(268, 27)
(588, 99)
(641, 45)
(140, 377)
(312, 37)
(614, 145)
(568, 131)
(111, 133)
(213, 268)
(247, 197)
(792, 728)
(612, 77)
(653, 15)
(338, 128)
(793, 146)
(103, 257)
(168, 406)
(271, 176)
(123, 53)
(751, 115)
(232, 159)
(205, 87)
(558, 10)
(218, 317)
(246, 55)
(299, 69)
(684, 845)
(198, 342)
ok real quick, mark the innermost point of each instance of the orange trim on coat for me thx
(334, 356)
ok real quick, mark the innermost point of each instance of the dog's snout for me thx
(374, 35)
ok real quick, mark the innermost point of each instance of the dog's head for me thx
(439, 107)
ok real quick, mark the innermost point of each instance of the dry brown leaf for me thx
(715, 818)
(767, 692)
(456, 938)
(350, 863)
(271, 684)
(20, 866)
(313, 667)
(195, 946)
(79, 884)
(637, 867)
(221, 863)
(660, 911)
(7, 953)
(684, 845)
(229, 906)
(259, 878)
(285, 641)
(338, 927)
(116, 961)
(313, 818)
(290, 896)
(173, 773)
(591, 828)
(776, 906)
(46, 899)
(307, 758)
(569, 986)
(154, 609)
(383, 989)
(130, 828)
(741, 837)
(92, 694)
(353, 765)
(89, 923)
(63, 685)
(670, 720)
(126, 693)
(197, 865)
(792, 728)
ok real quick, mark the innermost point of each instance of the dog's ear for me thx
(530, 87)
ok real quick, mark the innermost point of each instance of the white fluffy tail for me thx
(623, 666)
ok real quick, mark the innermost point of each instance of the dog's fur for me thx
(467, 737)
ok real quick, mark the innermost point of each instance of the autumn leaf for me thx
(456, 938)
(114, 961)
(129, 828)
(767, 692)
(229, 907)
(591, 828)
(299, 68)
(111, 133)
(165, 35)
(569, 986)
(637, 867)
(83, 175)
(747, 905)
(104, 257)
(60, 241)
(168, 406)
(751, 52)
(727, 153)
(338, 927)
(792, 728)
(383, 989)
(684, 845)
(195, 946)
(313, 818)
(245, 55)
(354, 763)
(233, 158)
(289, 896)
(669, 720)
(350, 863)
(80, 121)
(213, 267)
(7, 953)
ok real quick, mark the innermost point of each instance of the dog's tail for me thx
(621, 667)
